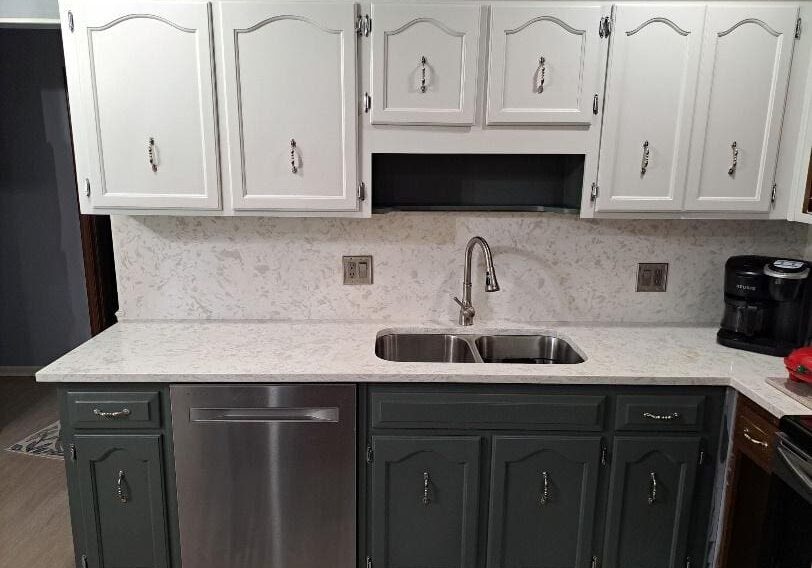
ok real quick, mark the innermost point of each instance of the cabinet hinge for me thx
(367, 102)
(361, 192)
(84, 561)
(595, 104)
(797, 28)
(688, 562)
(593, 195)
(70, 21)
(604, 455)
(369, 562)
(72, 450)
(363, 25)
(370, 458)
(605, 27)
(594, 563)
(87, 187)
(772, 195)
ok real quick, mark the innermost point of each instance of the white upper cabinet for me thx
(652, 74)
(146, 105)
(289, 78)
(746, 56)
(544, 64)
(424, 63)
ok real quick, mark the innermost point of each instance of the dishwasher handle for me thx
(278, 414)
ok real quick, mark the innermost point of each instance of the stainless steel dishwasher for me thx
(266, 475)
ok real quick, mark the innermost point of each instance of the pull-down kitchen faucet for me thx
(467, 311)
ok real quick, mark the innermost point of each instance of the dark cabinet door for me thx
(425, 501)
(651, 492)
(543, 501)
(120, 480)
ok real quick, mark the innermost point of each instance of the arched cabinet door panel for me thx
(543, 493)
(650, 496)
(147, 109)
(544, 64)
(290, 129)
(649, 108)
(424, 63)
(746, 57)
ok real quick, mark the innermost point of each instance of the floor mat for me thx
(45, 443)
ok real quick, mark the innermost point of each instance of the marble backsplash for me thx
(551, 267)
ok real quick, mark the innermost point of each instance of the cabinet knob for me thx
(293, 168)
(121, 487)
(152, 154)
(545, 488)
(542, 72)
(426, 482)
(423, 63)
(644, 163)
(652, 488)
(731, 171)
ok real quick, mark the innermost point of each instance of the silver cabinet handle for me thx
(153, 156)
(545, 491)
(426, 482)
(423, 73)
(750, 438)
(542, 73)
(293, 168)
(662, 417)
(644, 163)
(123, 413)
(732, 169)
(121, 487)
(652, 488)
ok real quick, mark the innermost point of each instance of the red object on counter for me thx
(799, 365)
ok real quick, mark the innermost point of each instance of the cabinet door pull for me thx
(153, 155)
(732, 169)
(123, 413)
(644, 163)
(662, 417)
(426, 482)
(751, 439)
(293, 168)
(423, 73)
(542, 73)
(652, 488)
(545, 491)
(121, 487)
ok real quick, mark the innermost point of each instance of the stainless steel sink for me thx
(531, 349)
(425, 347)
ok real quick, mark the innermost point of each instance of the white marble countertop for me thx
(312, 351)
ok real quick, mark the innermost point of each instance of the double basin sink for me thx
(473, 348)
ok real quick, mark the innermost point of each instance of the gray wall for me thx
(29, 9)
(43, 306)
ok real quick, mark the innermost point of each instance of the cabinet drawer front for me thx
(487, 411)
(114, 409)
(754, 436)
(652, 412)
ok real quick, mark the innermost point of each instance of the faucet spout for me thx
(467, 311)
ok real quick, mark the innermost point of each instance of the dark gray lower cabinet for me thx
(650, 498)
(543, 493)
(425, 501)
(120, 478)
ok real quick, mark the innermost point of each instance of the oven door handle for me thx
(791, 460)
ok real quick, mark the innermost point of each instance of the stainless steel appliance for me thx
(767, 304)
(789, 522)
(266, 475)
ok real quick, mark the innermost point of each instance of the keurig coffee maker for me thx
(767, 304)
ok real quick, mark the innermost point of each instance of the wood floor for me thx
(34, 521)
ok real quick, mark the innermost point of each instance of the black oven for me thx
(789, 524)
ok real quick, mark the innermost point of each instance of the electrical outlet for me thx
(357, 269)
(652, 276)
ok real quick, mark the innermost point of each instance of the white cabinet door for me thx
(746, 56)
(289, 72)
(147, 108)
(543, 64)
(424, 63)
(652, 74)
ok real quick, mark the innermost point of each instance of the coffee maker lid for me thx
(788, 269)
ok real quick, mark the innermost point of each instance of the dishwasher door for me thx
(266, 475)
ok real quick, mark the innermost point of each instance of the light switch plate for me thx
(652, 276)
(357, 269)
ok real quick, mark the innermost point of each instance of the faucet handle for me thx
(463, 306)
